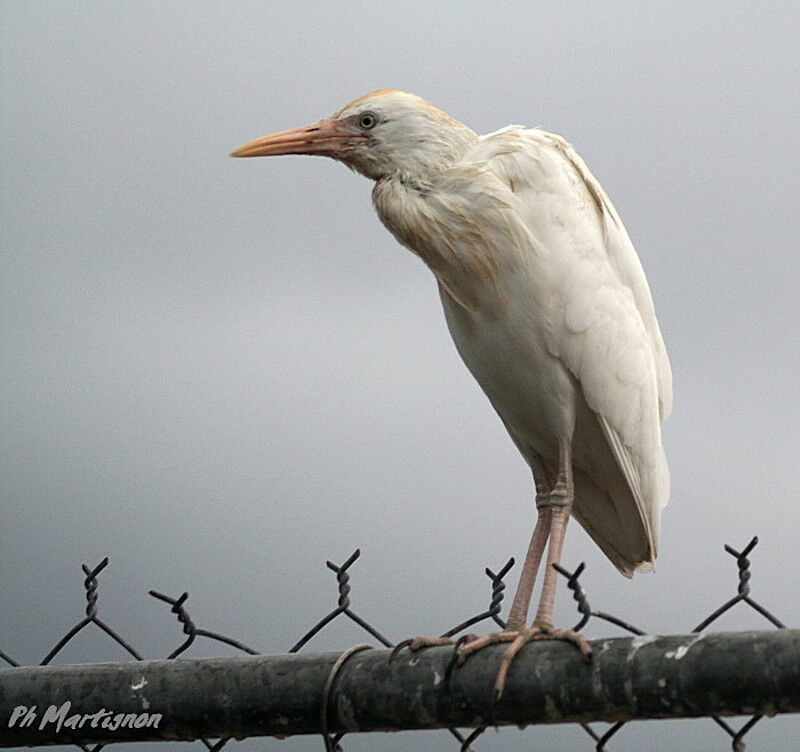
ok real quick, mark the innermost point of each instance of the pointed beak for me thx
(326, 137)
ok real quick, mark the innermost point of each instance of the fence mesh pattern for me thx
(600, 739)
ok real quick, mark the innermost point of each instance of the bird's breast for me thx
(508, 354)
(495, 296)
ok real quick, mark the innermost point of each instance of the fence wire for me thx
(343, 609)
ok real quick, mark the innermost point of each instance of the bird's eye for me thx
(367, 120)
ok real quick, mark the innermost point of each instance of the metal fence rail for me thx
(676, 676)
(714, 675)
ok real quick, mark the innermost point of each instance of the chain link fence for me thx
(600, 740)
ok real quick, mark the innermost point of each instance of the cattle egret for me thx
(549, 308)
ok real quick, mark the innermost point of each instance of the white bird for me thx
(548, 306)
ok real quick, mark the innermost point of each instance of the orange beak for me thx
(326, 137)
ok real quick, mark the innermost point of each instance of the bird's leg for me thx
(522, 598)
(560, 504)
(556, 508)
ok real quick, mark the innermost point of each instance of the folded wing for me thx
(601, 325)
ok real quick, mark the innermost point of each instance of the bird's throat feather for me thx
(447, 235)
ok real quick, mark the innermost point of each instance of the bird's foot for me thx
(518, 638)
(417, 643)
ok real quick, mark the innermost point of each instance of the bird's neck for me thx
(423, 217)
(435, 154)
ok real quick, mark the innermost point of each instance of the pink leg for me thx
(522, 598)
(560, 504)
(561, 498)
(554, 509)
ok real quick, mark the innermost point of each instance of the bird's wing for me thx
(560, 173)
(600, 315)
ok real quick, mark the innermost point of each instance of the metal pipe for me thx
(676, 676)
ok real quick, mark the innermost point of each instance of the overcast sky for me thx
(221, 373)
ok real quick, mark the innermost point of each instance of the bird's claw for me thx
(464, 651)
(573, 637)
(518, 638)
(469, 644)
(417, 643)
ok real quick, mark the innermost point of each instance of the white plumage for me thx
(549, 308)
(546, 301)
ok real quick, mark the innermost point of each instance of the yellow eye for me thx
(367, 121)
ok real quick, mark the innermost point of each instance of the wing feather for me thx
(602, 326)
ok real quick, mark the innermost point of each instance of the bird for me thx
(549, 308)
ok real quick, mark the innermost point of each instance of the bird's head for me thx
(381, 134)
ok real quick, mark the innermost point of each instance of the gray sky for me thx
(222, 372)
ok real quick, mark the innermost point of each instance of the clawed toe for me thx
(574, 638)
(521, 638)
(535, 634)
(517, 639)
(478, 643)
(470, 644)
(417, 643)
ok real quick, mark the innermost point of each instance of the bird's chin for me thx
(355, 159)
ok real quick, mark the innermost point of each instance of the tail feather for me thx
(615, 524)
